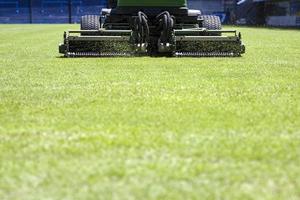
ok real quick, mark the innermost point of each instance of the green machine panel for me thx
(153, 3)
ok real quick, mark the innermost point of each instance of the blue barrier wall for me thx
(47, 11)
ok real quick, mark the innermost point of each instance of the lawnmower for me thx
(151, 28)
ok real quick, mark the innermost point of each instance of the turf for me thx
(149, 128)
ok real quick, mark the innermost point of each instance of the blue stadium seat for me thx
(14, 3)
(62, 4)
(47, 11)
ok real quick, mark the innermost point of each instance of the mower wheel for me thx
(90, 22)
(211, 22)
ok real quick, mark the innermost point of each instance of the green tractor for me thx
(151, 27)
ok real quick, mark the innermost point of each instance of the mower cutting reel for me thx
(140, 28)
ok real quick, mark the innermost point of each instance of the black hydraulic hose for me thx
(143, 27)
(146, 26)
(140, 28)
(162, 20)
(171, 25)
(136, 30)
(165, 28)
(168, 21)
(166, 24)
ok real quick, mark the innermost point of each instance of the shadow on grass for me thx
(153, 57)
(264, 27)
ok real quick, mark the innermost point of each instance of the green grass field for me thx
(148, 128)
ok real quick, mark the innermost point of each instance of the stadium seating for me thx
(11, 3)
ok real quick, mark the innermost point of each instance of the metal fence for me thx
(47, 11)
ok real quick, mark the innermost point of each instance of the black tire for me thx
(211, 22)
(90, 22)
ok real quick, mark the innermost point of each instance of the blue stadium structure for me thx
(70, 11)
(47, 11)
(251, 12)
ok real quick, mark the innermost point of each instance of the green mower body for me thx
(151, 27)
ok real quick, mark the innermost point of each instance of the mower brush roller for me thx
(151, 28)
